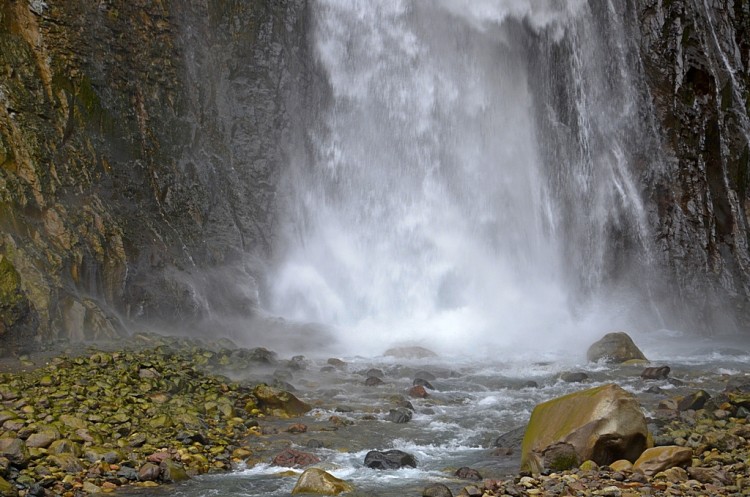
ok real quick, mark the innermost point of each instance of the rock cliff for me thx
(129, 134)
(696, 56)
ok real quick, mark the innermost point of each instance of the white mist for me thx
(427, 214)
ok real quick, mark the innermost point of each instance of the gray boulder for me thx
(615, 347)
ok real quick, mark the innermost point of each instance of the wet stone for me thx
(419, 382)
(373, 381)
(418, 392)
(172, 471)
(656, 373)
(389, 459)
(294, 458)
(399, 415)
(467, 473)
(437, 490)
(574, 377)
(374, 372)
(149, 472)
(15, 450)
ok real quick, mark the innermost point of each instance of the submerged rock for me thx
(615, 347)
(375, 372)
(373, 381)
(659, 373)
(415, 352)
(399, 415)
(603, 424)
(335, 362)
(437, 490)
(389, 459)
(418, 392)
(318, 482)
(292, 458)
(574, 377)
(467, 473)
(420, 382)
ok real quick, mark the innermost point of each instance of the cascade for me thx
(468, 182)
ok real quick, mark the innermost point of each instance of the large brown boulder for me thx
(318, 482)
(615, 347)
(659, 459)
(602, 424)
(278, 402)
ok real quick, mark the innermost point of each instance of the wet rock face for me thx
(126, 158)
(696, 57)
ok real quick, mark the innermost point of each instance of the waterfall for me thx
(468, 182)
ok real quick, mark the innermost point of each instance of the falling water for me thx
(467, 185)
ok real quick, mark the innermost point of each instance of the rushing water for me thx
(471, 405)
(468, 181)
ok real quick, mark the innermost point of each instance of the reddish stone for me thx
(292, 458)
(418, 391)
(158, 457)
(149, 472)
(297, 428)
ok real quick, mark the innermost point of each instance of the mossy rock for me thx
(615, 348)
(64, 446)
(66, 462)
(279, 402)
(15, 450)
(318, 482)
(7, 489)
(172, 471)
(110, 456)
(601, 424)
(15, 308)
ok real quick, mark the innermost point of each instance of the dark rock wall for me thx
(696, 58)
(140, 143)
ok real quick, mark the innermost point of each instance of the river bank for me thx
(120, 417)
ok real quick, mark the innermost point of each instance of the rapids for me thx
(472, 404)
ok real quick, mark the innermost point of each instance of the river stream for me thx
(457, 425)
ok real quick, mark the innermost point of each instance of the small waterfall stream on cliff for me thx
(467, 175)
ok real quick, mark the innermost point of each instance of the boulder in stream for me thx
(389, 459)
(294, 458)
(603, 424)
(278, 402)
(616, 348)
(318, 482)
(656, 373)
(415, 352)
